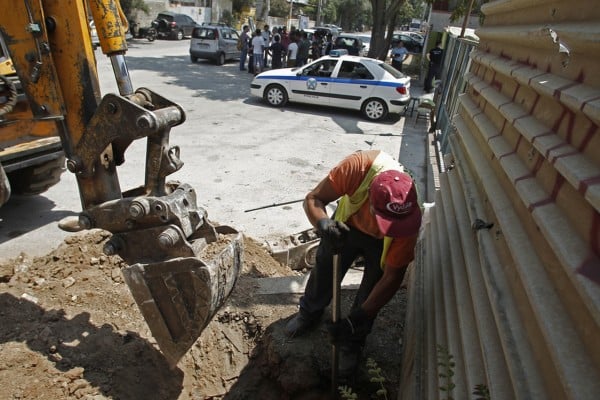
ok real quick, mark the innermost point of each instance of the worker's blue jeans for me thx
(319, 288)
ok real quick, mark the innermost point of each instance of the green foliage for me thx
(237, 6)
(409, 10)
(446, 370)
(227, 17)
(279, 8)
(129, 6)
(375, 376)
(462, 7)
(482, 391)
(347, 393)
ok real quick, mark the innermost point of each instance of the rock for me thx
(75, 373)
(30, 298)
(68, 282)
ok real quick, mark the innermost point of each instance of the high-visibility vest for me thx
(349, 205)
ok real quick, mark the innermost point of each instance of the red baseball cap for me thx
(393, 198)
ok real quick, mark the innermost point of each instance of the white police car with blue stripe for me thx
(358, 83)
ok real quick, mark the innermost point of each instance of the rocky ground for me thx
(70, 329)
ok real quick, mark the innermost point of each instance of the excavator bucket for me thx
(178, 297)
(181, 268)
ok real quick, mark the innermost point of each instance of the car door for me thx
(230, 42)
(351, 84)
(188, 25)
(312, 82)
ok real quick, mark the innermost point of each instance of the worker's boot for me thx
(301, 323)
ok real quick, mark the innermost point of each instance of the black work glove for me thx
(354, 327)
(332, 233)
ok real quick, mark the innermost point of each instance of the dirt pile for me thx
(71, 330)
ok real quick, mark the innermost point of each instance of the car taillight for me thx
(173, 24)
(401, 89)
(216, 34)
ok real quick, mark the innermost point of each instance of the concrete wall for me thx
(507, 277)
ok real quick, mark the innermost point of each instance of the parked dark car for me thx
(170, 25)
(352, 43)
(412, 45)
(323, 31)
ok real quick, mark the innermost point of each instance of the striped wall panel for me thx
(507, 273)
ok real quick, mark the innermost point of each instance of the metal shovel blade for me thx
(178, 297)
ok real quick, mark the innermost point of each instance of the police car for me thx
(358, 83)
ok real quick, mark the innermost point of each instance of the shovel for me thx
(335, 317)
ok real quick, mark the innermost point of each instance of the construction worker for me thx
(378, 218)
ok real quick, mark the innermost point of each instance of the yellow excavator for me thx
(180, 266)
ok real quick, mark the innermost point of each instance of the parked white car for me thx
(358, 83)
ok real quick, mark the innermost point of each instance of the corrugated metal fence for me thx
(505, 290)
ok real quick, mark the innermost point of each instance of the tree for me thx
(237, 6)
(385, 17)
(279, 8)
(129, 6)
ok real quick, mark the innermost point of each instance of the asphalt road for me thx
(239, 153)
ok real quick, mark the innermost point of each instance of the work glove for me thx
(352, 328)
(332, 233)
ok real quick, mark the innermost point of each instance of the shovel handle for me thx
(335, 317)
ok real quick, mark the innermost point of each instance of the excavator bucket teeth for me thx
(178, 297)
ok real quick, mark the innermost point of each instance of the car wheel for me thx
(194, 59)
(221, 59)
(276, 95)
(374, 109)
(179, 35)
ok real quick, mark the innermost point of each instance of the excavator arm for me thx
(181, 268)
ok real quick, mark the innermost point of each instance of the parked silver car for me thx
(214, 42)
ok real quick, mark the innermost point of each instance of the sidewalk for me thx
(415, 149)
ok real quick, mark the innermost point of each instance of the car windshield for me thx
(166, 17)
(365, 39)
(203, 33)
(391, 70)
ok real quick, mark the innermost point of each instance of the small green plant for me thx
(375, 373)
(347, 393)
(376, 377)
(446, 370)
(482, 391)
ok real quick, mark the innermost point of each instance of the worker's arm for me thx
(316, 200)
(384, 290)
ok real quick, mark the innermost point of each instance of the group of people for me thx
(294, 49)
(280, 48)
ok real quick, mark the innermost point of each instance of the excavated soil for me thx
(70, 329)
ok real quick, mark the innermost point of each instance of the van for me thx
(214, 42)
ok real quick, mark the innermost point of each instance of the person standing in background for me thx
(257, 51)
(266, 35)
(435, 57)
(244, 39)
(292, 51)
(399, 54)
(285, 42)
(303, 49)
(276, 52)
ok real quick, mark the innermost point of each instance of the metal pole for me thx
(275, 205)
(464, 25)
(335, 317)
(290, 18)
